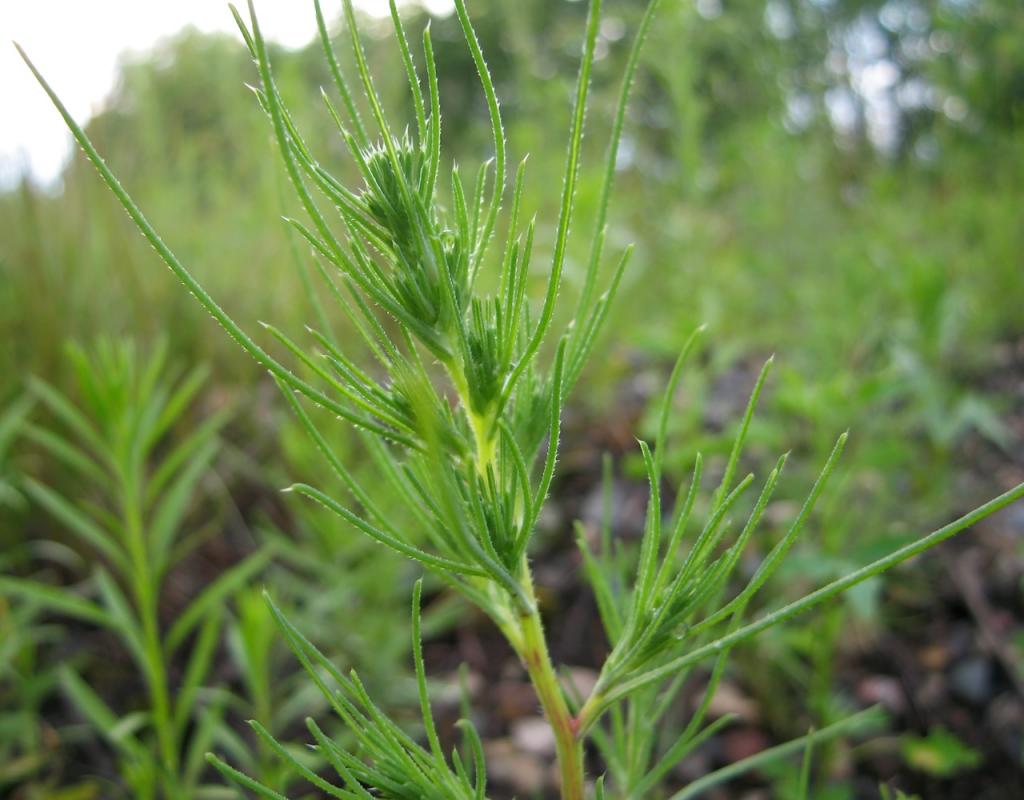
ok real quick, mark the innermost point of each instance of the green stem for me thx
(523, 628)
(147, 604)
(484, 431)
(533, 650)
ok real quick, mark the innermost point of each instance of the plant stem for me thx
(483, 428)
(146, 602)
(527, 637)
(568, 745)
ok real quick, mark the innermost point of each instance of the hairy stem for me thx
(533, 650)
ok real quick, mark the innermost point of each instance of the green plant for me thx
(895, 794)
(24, 685)
(270, 696)
(462, 411)
(130, 513)
(940, 753)
(11, 420)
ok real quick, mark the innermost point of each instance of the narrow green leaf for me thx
(421, 677)
(165, 524)
(682, 518)
(410, 70)
(612, 157)
(63, 450)
(297, 766)
(336, 463)
(331, 752)
(124, 620)
(497, 127)
(685, 744)
(477, 749)
(805, 768)
(78, 523)
(651, 543)
(867, 720)
(184, 451)
(66, 411)
(568, 193)
(554, 432)
(339, 80)
(435, 114)
(741, 436)
(606, 606)
(774, 558)
(241, 779)
(61, 600)
(99, 715)
(408, 550)
(595, 322)
(225, 585)
(374, 408)
(210, 722)
(669, 396)
(175, 406)
(196, 670)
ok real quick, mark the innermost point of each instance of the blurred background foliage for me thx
(835, 181)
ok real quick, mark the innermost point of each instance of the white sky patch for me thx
(77, 45)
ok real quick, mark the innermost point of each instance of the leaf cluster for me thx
(384, 756)
(131, 517)
(456, 406)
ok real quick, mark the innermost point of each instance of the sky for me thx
(77, 44)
